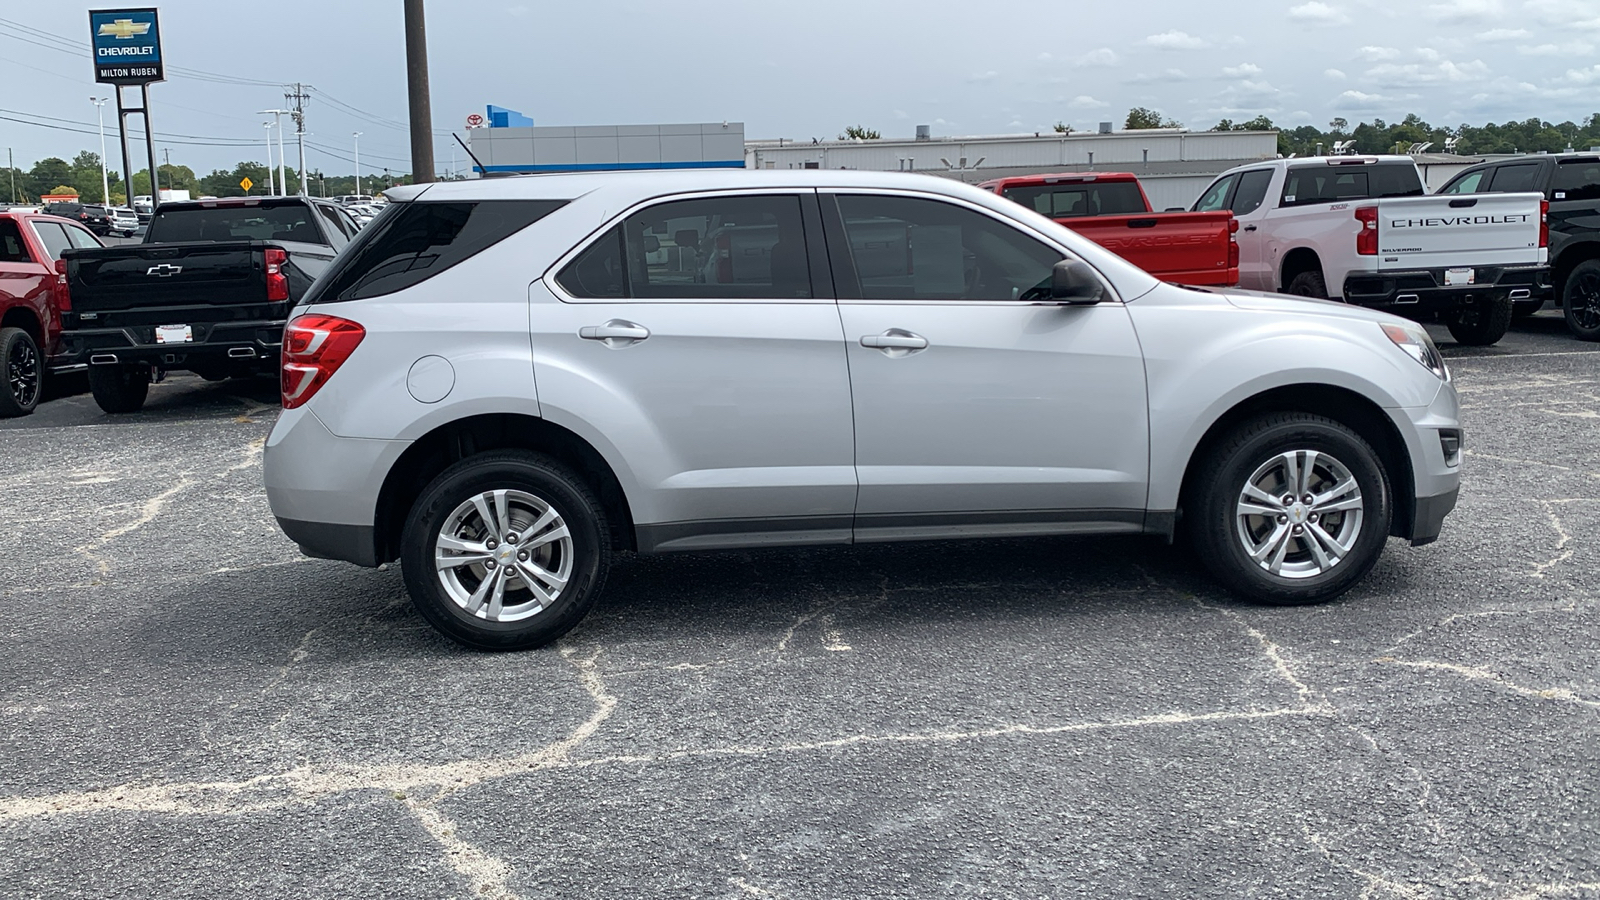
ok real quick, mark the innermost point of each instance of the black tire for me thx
(1218, 533)
(120, 389)
(1580, 300)
(1481, 324)
(1522, 309)
(1309, 284)
(23, 383)
(549, 483)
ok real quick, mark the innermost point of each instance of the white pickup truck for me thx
(1361, 229)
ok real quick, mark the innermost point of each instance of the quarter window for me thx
(913, 249)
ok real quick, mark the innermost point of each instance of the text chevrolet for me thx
(501, 383)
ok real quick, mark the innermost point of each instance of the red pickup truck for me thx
(1110, 208)
(33, 294)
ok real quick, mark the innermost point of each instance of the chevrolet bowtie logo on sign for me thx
(124, 29)
(165, 270)
(127, 46)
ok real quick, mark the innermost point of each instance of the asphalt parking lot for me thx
(191, 709)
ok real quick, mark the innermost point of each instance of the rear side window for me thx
(53, 237)
(1252, 191)
(81, 237)
(1332, 184)
(11, 248)
(1515, 179)
(408, 243)
(1577, 179)
(1060, 201)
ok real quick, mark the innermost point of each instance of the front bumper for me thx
(1435, 471)
(1424, 291)
(1427, 517)
(214, 343)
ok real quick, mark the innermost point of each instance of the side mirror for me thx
(1073, 282)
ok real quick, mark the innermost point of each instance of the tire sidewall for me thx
(9, 404)
(1221, 539)
(1569, 294)
(535, 475)
(1309, 284)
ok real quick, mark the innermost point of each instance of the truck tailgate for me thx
(1459, 231)
(1185, 247)
(136, 277)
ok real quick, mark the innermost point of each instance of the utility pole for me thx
(357, 136)
(168, 152)
(299, 98)
(268, 126)
(417, 89)
(105, 179)
(11, 165)
(277, 116)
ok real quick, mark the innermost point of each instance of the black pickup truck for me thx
(1571, 185)
(208, 291)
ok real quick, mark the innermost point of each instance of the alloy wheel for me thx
(22, 373)
(1299, 514)
(504, 555)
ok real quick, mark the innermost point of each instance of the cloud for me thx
(1445, 72)
(983, 76)
(1467, 10)
(1334, 74)
(1164, 76)
(1241, 70)
(1360, 100)
(1318, 13)
(1084, 101)
(1590, 75)
(1502, 34)
(1174, 40)
(1571, 48)
(1105, 56)
(1375, 54)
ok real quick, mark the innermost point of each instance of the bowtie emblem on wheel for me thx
(165, 270)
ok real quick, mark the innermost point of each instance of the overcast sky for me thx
(805, 70)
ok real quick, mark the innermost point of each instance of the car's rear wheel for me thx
(1581, 301)
(1521, 309)
(1483, 323)
(1291, 508)
(24, 373)
(120, 389)
(505, 551)
(1309, 284)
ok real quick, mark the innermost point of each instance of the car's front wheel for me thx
(1291, 508)
(505, 550)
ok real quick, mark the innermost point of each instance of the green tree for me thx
(46, 174)
(1139, 117)
(1063, 128)
(859, 133)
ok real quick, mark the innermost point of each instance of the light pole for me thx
(277, 116)
(357, 136)
(105, 179)
(268, 126)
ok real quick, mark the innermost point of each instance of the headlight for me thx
(1413, 339)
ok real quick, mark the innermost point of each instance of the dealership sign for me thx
(127, 46)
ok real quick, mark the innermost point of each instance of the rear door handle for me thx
(895, 342)
(615, 333)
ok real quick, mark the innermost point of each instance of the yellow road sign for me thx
(247, 184)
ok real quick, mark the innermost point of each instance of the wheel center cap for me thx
(507, 554)
(1297, 514)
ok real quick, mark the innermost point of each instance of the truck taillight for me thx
(277, 282)
(1367, 237)
(314, 347)
(63, 295)
(1544, 223)
(1233, 254)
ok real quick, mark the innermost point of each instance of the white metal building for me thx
(1173, 164)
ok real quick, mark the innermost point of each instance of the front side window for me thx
(907, 248)
(1252, 192)
(53, 237)
(1515, 179)
(1216, 197)
(1471, 184)
(728, 248)
(1576, 179)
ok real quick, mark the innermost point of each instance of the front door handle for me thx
(1249, 228)
(895, 342)
(615, 333)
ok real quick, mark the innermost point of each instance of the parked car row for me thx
(102, 220)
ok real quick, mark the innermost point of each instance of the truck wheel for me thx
(505, 551)
(1581, 301)
(1309, 284)
(1291, 509)
(1481, 324)
(1522, 309)
(119, 389)
(24, 371)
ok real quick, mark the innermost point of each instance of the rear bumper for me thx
(1425, 291)
(237, 343)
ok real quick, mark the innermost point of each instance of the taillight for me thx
(314, 347)
(1544, 223)
(1233, 254)
(1367, 237)
(63, 295)
(277, 282)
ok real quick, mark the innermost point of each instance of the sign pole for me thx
(150, 151)
(122, 139)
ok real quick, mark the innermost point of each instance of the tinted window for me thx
(735, 248)
(913, 249)
(1060, 201)
(338, 235)
(81, 237)
(1470, 184)
(411, 242)
(1577, 179)
(1515, 179)
(53, 237)
(1252, 191)
(286, 222)
(1331, 184)
(12, 249)
(1216, 196)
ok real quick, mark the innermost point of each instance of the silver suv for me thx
(502, 383)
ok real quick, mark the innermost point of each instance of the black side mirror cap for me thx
(1074, 282)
